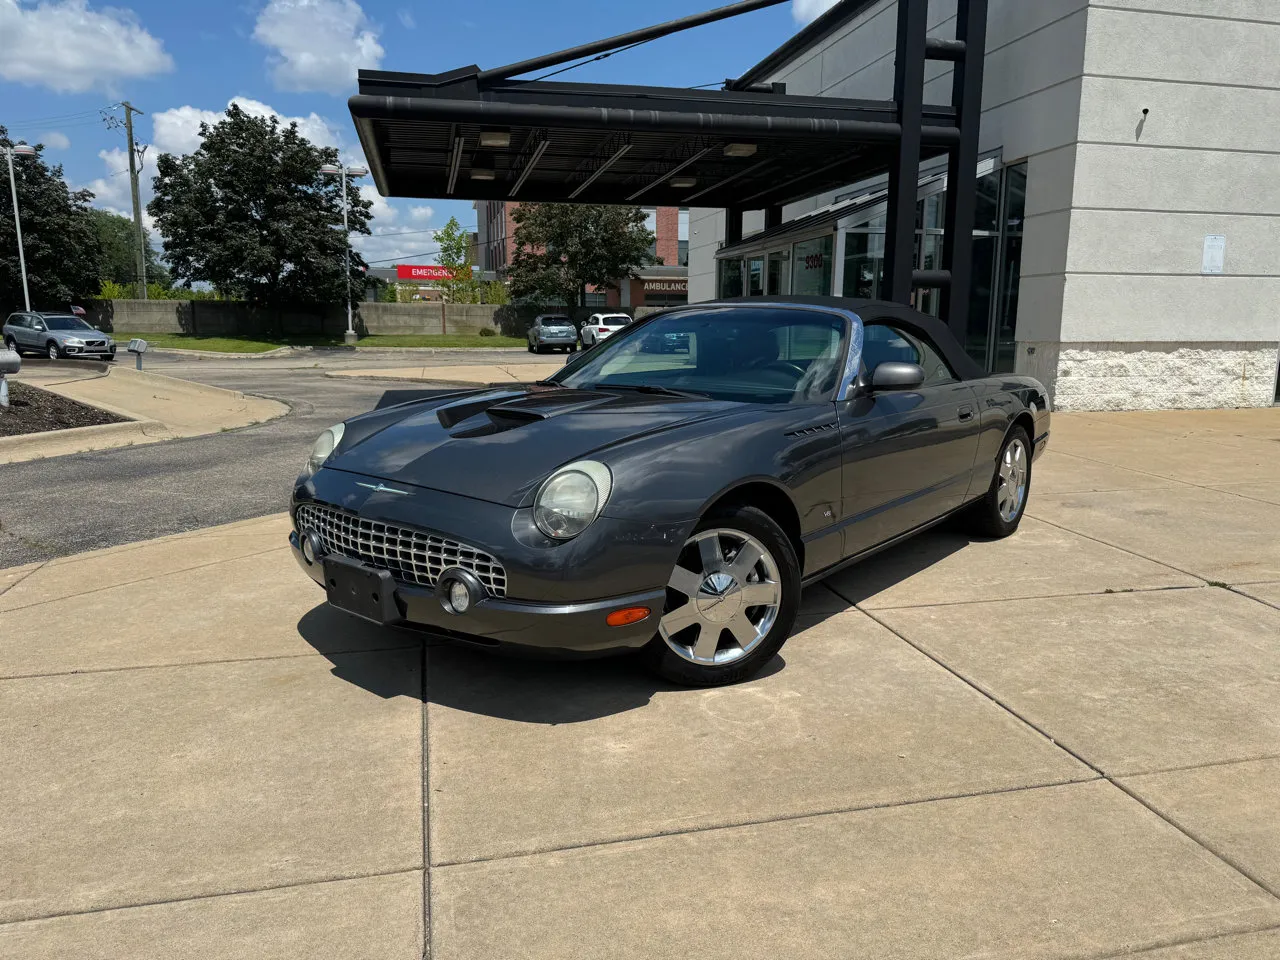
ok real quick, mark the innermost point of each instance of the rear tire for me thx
(12, 344)
(721, 637)
(528, 346)
(1000, 511)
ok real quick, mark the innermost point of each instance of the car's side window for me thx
(884, 342)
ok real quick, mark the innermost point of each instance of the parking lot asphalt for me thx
(1061, 745)
(69, 504)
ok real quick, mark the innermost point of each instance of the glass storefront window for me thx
(755, 277)
(729, 281)
(811, 266)
(986, 247)
(1015, 209)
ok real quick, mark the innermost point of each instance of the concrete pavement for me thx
(470, 373)
(1065, 744)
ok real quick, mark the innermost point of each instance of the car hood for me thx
(500, 445)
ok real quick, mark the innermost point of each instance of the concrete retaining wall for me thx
(224, 318)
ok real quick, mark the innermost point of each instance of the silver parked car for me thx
(56, 335)
(551, 331)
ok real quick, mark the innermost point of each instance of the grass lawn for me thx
(185, 341)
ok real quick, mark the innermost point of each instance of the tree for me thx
(250, 213)
(119, 241)
(455, 253)
(561, 249)
(61, 247)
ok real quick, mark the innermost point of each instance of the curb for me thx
(59, 443)
(218, 355)
(347, 351)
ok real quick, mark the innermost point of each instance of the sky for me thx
(65, 65)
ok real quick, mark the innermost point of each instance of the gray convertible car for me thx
(671, 503)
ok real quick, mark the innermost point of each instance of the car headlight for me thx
(571, 499)
(73, 342)
(324, 446)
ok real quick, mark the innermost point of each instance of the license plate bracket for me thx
(361, 590)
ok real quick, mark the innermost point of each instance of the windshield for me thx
(65, 323)
(747, 354)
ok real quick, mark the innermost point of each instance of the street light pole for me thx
(21, 150)
(333, 170)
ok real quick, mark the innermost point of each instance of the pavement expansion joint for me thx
(782, 818)
(214, 896)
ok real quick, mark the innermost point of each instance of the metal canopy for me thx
(593, 143)
(474, 134)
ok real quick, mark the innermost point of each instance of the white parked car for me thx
(601, 326)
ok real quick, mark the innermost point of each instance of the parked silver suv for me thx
(551, 331)
(56, 335)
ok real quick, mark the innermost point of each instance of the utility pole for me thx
(129, 111)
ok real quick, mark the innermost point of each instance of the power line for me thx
(61, 117)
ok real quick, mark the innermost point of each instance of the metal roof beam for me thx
(624, 40)
(671, 173)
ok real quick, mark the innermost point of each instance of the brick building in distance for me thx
(657, 286)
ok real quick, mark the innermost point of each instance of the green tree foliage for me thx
(61, 246)
(119, 242)
(495, 291)
(455, 253)
(561, 249)
(250, 213)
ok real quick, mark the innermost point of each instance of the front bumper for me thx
(552, 629)
(557, 595)
(71, 350)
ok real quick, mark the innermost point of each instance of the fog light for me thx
(312, 549)
(627, 616)
(459, 596)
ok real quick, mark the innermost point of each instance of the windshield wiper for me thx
(650, 388)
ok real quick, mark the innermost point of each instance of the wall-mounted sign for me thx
(428, 272)
(666, 286)
(1215, 254)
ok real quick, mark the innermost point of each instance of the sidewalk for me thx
(157, 407)
(459, 373)
(1060, 745)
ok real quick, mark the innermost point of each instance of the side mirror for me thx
(893, 375)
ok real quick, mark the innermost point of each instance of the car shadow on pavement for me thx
(881, 571)
(481, 682)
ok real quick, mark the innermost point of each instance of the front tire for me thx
(1000, 511)
(53, 350)
(731, 601)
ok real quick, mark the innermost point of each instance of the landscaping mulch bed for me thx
(32, 410)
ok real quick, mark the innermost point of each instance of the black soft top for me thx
(912, 321)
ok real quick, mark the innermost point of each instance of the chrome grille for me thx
(412, 556)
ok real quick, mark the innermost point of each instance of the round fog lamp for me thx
(459, 596)
(309, 541)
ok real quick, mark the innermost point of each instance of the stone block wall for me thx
(1154, 376)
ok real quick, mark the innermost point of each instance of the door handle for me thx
(966, 414)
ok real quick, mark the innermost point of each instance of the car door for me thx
(908, 454)
(34, 330)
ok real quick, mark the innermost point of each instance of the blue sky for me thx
(64, 62)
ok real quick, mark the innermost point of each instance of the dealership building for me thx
(1126, 240)
(1087, 191)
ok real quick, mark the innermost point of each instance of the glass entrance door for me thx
(776, 283)
(755, 277)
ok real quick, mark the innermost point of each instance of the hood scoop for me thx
(508, 413)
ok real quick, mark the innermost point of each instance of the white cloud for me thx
(382, 210)
(806, 11)
(55, 140)
(319, 44)
(69, 47)
(421, 214)
(178, 130)
(406, 18)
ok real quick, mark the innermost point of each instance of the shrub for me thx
(488, 332)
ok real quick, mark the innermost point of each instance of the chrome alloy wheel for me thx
(731, 592)
(1012, 491)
